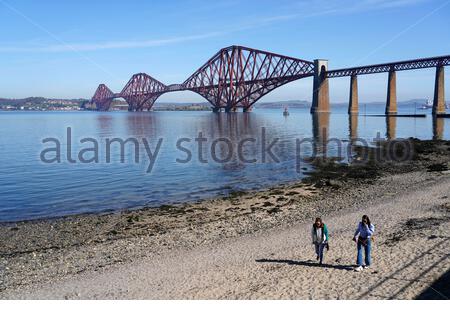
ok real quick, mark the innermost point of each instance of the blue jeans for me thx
(367, 249)
(319, 250)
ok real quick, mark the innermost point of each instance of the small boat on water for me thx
(427, 105)
(285, 112)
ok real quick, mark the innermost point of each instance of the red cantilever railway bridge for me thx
(237, 77)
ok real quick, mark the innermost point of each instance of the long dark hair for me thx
(367, 218)
(321, 223)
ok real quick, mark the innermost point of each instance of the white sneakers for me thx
(361, 268)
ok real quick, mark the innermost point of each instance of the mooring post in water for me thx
(439, 97)
(391, 101)
(353, 100)
(321, 98)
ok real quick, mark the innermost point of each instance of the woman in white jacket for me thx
(363, 239)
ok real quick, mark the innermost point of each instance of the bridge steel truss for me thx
(392, 66)
(234, 77)
(237, 77)
(141, 92)
(103, 97)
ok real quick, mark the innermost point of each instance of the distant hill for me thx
(19, 102)
(282, 104)
(276, 104)
(41, 103)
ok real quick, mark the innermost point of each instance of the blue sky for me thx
(66, 48)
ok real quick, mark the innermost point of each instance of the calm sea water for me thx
(32, 189)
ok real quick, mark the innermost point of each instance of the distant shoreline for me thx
(52, 104)
(157, 109)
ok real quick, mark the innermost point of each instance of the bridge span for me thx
(237, 77)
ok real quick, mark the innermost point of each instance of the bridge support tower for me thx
(353, 99)
(439, 97)
(321, 98)
(391, 100)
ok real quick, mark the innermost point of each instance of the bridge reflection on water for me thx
(321, 127)
(236, 126)
(438, 128)
(92, 186)
(237, 132)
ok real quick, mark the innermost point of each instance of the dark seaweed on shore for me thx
(386, 157)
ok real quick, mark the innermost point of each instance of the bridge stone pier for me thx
(353, 99)
(391, 100)
(439, 97)
(321, 97)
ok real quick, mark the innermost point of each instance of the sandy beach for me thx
(253, 245)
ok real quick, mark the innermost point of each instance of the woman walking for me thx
(363, 239)
(319, 235)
